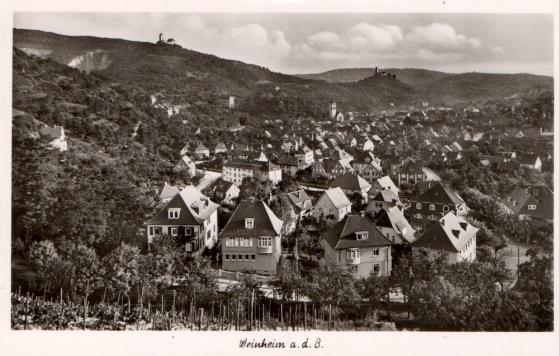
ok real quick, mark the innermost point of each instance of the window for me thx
(432, 207)
(253, 257)
(173, 213)
(445, 208)
(265, 242)
(249, 223)
(226, 257)
(379, 204)
(174, 231)
(246, 257)
(361, 235)
(531, 207)
(188, 230)
(157, 230)
(353, 254)
(245, 242)
(233, 257)
(376, 252)
(151, 230)
(418, 206)
(353, 269)
(228, 242)
(376, 268)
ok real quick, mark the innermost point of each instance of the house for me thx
(531, 162)
(237, 170)
(190, 216)
(220, 148)
(367, 166)
(185, 164)
(412, 172)
(330, 168)
(251, 240)
(384, 199)
(57, 136)
(532, 201)
(382, 184)
(301, 202)
(394, 226)
(356, 243)
(167, 193)
(434, 203)
(333, 203)
(352, 183)
(224, 192)
(365, 144)
(450, 235)
(202, 151)
(305, 157)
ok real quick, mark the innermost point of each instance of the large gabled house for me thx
(381, 184)
(333, 203)
(535, 202)
(301, 203)
(434, 203)
(385, 199)
(251, 240)
(357, 244)
(189, 216)
(394, 226)
(450, 235)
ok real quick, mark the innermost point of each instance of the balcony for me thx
(264, 249)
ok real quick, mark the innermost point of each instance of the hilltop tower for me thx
(333, 109)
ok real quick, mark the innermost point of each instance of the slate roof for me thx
(337, 197)
(266, 223)
(168, 191)
(350, 181)
(342, 235)
(442, 194)
(188, 200)
(450, 233)
(298, 198)
(394, 218)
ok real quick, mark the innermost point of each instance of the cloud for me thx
(250, 43)
(365, 44)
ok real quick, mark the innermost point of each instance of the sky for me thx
(309, 43)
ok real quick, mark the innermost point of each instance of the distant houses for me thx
(236, 170)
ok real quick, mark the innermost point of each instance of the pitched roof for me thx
(449, 233)
(394, 218)
(337, 197)
(442, 194)
(195, 208)
(386, 195)
(298, 198)
(222, 186)
(342, 235)
(266, 223)
(168, 191)
(350, 181)
(386, 183)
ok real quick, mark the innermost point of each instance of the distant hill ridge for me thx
(193, 79)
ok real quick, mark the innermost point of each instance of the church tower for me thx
(333, 109)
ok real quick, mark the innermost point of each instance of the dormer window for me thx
(432, 207)
(361, 235)
(249, 223)
(531, 207)
(173, 213)
(418, 206)
(445, 208)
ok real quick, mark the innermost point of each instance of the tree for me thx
(45, 260)
(121, 269)
(288, 282)
(375, 288)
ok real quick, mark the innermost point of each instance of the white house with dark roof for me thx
(385, 199)
(57, 135)
(452, 236)
(202, 151)
(224, 192)
(251, 240)
(190, 216)
(356, 243)
(332, 203)
(381, 184)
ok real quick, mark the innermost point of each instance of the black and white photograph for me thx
(280, 173)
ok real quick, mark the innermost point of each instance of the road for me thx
(208, 178)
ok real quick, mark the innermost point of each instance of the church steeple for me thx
(333, 109)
